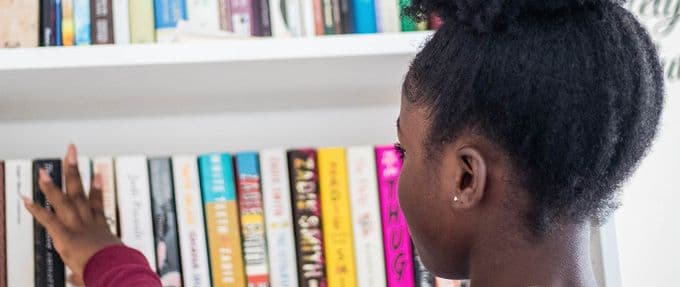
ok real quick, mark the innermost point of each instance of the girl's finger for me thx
(53, 194)
(45, 217)
(96, 197)
(73, 183)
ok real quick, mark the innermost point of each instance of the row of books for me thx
(302, 217)
(85, 22)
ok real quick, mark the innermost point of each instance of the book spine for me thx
(101, 21)
(47, 37)
(363, 191)
(423, 276)
(387, 16)
(337, 16)
(164, 221)
(294, 17)
(407, 24)
(121, 21)
(364, 16)
(19, 223)
(56, 22)
(252, 219)
(204, 14)
(241, 17)
(397, 244)
(134, 204)
(225, 15)
(308, 18)
(85, 171)
(336, 217)
(142, 28)
(167, 14)
(307, 217)
(190, 220)
(319, 27)
(328, 17)
(346, 24)
(3, 231)
(67, 23)
(103, 166)
(278, 218)
(221, 220)
(81, 18)
(279, 22)
(49, 269)
(265, 22)
(19, 24)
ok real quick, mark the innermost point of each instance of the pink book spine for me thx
(396, 239)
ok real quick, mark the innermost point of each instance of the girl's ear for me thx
(470, 179)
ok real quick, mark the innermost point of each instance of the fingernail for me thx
(27, 201)
(72, 157)
(97, 181)
(44, 176)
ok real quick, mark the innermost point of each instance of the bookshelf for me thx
(231, 95)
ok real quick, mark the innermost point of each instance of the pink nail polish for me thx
(72, 158)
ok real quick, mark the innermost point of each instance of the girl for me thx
(519, 121)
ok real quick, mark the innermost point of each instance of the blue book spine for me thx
(57, 19)
(169, 12)
(364, 16)
(82, 20)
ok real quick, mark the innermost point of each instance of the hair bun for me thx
(484, 15)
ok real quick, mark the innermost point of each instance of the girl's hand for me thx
(78, 227)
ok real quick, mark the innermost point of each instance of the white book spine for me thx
(278, 218)
(388, 16)
(121, 21)
(308, 24)
(367, 227)
(204, 14)
(294, 17)
(19, 223)
(134, 203)
(278, 20)
(190, 222)
(85, 171)
(103, 166)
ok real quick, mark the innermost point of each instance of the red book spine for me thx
(318, 17)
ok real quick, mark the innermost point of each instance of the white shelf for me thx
(228, 76)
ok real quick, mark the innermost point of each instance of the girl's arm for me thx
(81, 235)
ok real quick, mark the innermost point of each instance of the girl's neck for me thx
(560, 259)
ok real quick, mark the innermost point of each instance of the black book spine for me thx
(307, 217)
(346, 17)
(49, 269)
(423, 276)
(47, 33)
(164, 220)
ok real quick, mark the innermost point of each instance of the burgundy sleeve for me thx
(119, 266)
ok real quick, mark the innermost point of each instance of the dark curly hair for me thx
(570, 90)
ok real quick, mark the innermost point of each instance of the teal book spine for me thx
(82, 22)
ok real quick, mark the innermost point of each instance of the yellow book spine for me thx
(67, 24)
(336, 217)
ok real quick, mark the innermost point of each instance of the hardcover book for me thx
(134, 204)
(190, 221)
(252, 219)
(278, 218)
(307, 217)
(103, 166)
(396, 239)
(221, 220)
(82, 18)
(102, 21)
(19, 223)
(167, 14)
(19, 24)
(121, 21)
(67, 23)
(165, 222)
(142, 23)
(363, 192)
(336, 217)
(49, 269)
